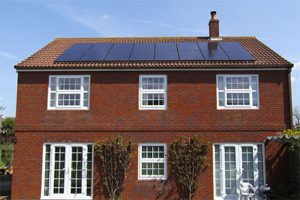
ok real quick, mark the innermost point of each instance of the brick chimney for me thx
(213, 26)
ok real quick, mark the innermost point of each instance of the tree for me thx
(187, 159)
(296, 115)
(115, 156)
(8, 127)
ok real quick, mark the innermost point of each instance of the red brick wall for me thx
(28, 162)
(114, 110)
(191, 105)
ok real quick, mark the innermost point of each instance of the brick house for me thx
(232, 91)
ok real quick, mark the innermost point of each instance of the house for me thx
(231, 91)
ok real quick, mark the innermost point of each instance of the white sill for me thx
(152, 108)
(72, 108)
(237, 108)
(66, 198)
(152, 178)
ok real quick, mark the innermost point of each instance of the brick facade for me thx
(114, 110)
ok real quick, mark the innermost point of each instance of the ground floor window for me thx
(152, 161)
(67, 171)
(235, 164)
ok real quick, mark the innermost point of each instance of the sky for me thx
(28, 25)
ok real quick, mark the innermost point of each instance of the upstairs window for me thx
(237, 91)
(153, 92)
(68, 92)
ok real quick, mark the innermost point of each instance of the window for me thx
(237, 91)
(68, 92)
(67, 171)
(152, 161)
(235, 164)
(153, 92)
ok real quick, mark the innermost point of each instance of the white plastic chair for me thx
(247, 191)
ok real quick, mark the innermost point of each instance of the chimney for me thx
(213, 26)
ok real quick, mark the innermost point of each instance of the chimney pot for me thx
(213, 15)
(213, 25)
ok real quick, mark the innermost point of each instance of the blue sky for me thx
(28, 25)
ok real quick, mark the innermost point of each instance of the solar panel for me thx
(187, 46)
(74, 52)
(166, 51)
(120, 51)
(143, 51)
(190, 55)
(212, 51)
(235, 51)
(97, 52)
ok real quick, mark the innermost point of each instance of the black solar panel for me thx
(97, 52)
(210, 51)
(120, 51)
(74, 52)
(166, 51)
(143, 51)
(235, 51)
(187, 46)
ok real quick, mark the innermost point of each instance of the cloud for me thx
(169, 26)
(95, 22)
(7, 55)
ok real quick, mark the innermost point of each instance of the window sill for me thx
(152, 108)
(238, 108)
(66, 198)
(50, 109)
(152, 179)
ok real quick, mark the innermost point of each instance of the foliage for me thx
(295, 131)
(188, 160)
(8, 127)
(6, 153)
(115, 156)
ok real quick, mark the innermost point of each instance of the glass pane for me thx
(217, 171)
(153, 99)
(239, 99)
(254, 82)
(260, 165)
(153, 83)
(247, 165)
(220, 82)
(230, 172)
(59, 170)
(76, 171)
(221, 98)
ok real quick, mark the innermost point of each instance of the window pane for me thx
(247, 165)
(238, 99)
(230, 174)
(221, 82)
(59, 170)
(221, 98)
(260, 165)
(153, 83)
(217, 170)
(76, 173)
(153, 99)
(254, 82)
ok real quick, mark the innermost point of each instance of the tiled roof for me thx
(44, 58)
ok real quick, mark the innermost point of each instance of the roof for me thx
(45, 57)
(284, 138)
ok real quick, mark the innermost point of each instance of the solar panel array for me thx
(183, 51)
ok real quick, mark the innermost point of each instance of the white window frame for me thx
(67, 182)
(158, 160)
(81, 92)
(237, 91)
(154, 91)
(239, 145)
